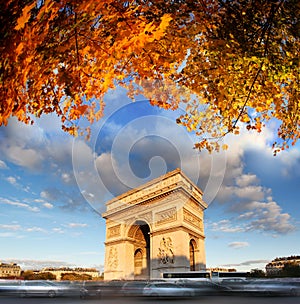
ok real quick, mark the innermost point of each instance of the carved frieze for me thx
(166, 216)
(114, 231)
(192, 219)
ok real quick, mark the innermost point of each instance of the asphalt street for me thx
(120, 300)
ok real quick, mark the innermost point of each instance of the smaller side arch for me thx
(192, 247)
(138, 262)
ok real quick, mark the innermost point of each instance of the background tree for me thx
(45, 276)
(27, 275)
(225, 62)
(31, 275)
(73, 276)
(257, 273)
(291, 270)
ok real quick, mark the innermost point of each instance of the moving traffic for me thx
(164, 288)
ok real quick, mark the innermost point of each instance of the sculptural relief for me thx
(112, 258)
(166, 251)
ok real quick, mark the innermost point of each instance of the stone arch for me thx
(140, 222)
(133, 225)
(138, 262)
(139, 232)
(192, 248)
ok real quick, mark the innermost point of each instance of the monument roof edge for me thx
(152, 182)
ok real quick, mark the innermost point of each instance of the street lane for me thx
(203, 300)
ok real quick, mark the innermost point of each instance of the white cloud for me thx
(22, 144)
(289, 163)
(34, 147)
(66, 177)
(12, 180)
(247, 263)
(45, 194)
(76, 225)
(35, 229)
(44, 203)
(3, 165)
(37, 264)
(19, 228)
(58, 230)
(21, 156)
(269, 217)
(244, 194)
(247, 215)
(18, 204)
(10, 227)
(257, 216)
(225, 226)
(245, 180)
(6, 235)
(48, 205)
(238, 245)
(249, 192)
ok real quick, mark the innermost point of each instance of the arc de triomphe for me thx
(155, 228)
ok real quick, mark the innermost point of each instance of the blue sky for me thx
(53, 188)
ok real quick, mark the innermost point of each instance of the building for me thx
(62, 270)
(8, 270)
(155, 228)
(220, 269)
(276, 266)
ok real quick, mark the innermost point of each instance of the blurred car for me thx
(133, 288)
(166, 289)
(72, 288)
(40, 288)
(272, 287)
(90, 290)
(203, 287)
(9, 287)
(235, 285)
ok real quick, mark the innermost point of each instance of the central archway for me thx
(140, 233)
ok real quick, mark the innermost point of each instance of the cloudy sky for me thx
(53, 188)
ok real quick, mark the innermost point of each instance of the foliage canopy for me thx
(225, 62)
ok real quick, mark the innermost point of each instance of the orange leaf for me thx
(23, 19)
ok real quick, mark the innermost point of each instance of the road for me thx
(117, 300)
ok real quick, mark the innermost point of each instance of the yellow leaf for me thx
(225, 147)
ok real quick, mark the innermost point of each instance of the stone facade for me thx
(9, 270)
(277, 265)
(155, 228)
